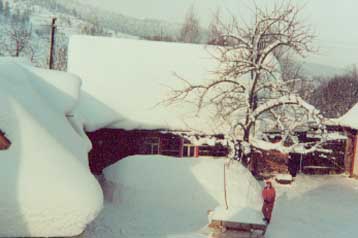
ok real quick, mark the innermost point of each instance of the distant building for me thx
(328, 159)
(348, 123)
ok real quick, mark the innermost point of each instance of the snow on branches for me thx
(247, 89)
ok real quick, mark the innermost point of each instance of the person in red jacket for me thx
(268, 195)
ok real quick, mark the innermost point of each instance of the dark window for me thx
(151, 145)
(188, 151)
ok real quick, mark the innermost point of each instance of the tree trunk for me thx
(247, 159)
(244, 156)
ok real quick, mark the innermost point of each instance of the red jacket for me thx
(269, 195)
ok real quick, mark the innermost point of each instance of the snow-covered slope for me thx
(45, 184)
(158, 196)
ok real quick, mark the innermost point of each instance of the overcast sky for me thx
(335, 21)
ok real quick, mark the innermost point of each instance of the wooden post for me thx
(181, 146)
(225, 189)
(196, 151)
(354, 170)
(52, 42)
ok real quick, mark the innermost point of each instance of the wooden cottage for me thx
(348, 124)
(111, 145)
(124, 85)
(328, 160)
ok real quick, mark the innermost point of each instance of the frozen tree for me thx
(1, 7)
(16, 37)
(336, 95)
(215, 32)
(61, 50)
(190, 31)
(293, 69)
(247, 92)
(93, 28)
(6, 9)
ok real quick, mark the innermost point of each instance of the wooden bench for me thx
(240, 226)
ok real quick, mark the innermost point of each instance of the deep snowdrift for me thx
(45, 185)
(158, 196)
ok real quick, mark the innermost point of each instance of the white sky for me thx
(333, 20)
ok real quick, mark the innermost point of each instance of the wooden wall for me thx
(111, 145)
(4, 142)
(266, 163)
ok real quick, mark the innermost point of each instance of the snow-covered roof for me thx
(350, 119)
(131, 77)
(125, 81)
(44, 173)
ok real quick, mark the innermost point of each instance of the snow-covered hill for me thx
(75, 12)
(320, 70)
(73, 17)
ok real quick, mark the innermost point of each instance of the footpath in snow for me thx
(316, 206)
(158, 196)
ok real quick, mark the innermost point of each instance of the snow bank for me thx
(349, 119)
(158, 196)
(316, 206)
(60, 88)
(46, 187)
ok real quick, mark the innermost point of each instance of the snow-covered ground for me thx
(316, 206)
(163, 197)
(158, 196)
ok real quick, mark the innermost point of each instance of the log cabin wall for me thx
(349, 153)
(349, 148)
(4, 142)
(268, 162)
(353, 153)
(111, 145)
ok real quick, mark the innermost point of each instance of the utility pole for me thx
(52, 42)
(161, 33)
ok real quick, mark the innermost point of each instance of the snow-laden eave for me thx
(348, 120)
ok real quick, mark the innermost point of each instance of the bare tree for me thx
(336, 95)
(61, 52)
(18, 35)
(215, 31)
(292, 72)
(248, 91)
(190, 31)
(6, 9)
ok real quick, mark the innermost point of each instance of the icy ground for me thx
(164, 197)
(316, 206)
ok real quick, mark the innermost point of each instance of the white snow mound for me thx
(46, 187)
(159, 196)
